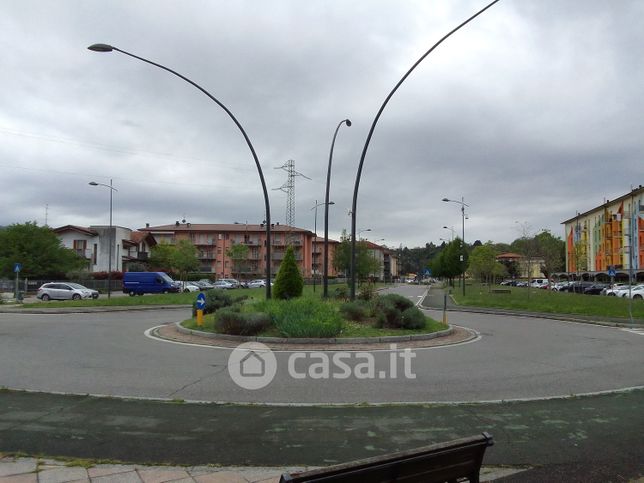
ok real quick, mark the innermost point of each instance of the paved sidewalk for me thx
(44, 470)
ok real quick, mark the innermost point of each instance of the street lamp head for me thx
(445, 199)
(347, 122)
(332, 202)
(93, 183)
(101, 48)
(446, 228)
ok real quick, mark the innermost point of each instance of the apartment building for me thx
(214, 242)
(608, 239)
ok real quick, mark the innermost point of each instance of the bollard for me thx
(199, 318)
(445, 308)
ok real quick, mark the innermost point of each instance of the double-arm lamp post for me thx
(111, 237)
(463, 205)
(325, 274)
(354, 207)
(110, 48)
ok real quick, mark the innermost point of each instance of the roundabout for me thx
(507, 358)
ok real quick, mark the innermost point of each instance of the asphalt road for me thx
(515, 358)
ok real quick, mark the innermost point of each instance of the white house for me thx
(93, 242)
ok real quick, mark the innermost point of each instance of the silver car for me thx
(65, 291)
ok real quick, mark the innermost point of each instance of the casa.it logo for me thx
(252, 365)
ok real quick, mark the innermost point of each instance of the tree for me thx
(365, 262)
(185, 258)
(38, 250)
(288, 282)
(238, 253)
(181, 257)
(483, 264)
(553, 251)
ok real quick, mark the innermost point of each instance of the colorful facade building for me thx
(608, 240)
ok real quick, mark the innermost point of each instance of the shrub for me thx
(232, 321)
(302, 317)
(358, 310)
(288, 282)
(400, 302)
(387, 315)
(341, 293)
(367, 292)
(413, 318)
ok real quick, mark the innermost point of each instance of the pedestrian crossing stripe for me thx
(635, 331)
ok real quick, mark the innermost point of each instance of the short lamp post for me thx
(111, 237)
(463, 205)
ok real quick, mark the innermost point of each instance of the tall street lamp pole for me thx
(316, 233)
(463, 205)
(354, 207)
(110, 48)
(111, 237)
(325, 282)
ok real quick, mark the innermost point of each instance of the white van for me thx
(539, 283)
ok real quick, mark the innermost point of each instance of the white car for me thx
(260, 282)
(636, 293)
(65, 291)
(223, 284)
(188, 287)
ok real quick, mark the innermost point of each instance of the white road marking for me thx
(635, 331)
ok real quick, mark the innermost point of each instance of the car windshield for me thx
(77, 286)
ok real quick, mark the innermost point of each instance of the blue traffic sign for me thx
(611, 272)
(201, 301)
(17, 267)
(428, 272)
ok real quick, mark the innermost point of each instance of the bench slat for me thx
(436, 463)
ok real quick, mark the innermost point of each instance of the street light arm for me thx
(354, 206)
(109, 48)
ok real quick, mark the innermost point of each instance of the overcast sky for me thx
(532, 112)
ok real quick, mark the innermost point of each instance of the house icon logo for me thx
(252, 365)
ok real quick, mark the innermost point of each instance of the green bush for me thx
(401, 303)
(302, 317)
(387, 315)
(358, 310)
(288, 282)
(367, 292)
(341, 293)
(232, 321)
(413, 318)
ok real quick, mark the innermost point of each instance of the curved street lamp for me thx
(450, 229)
(111, 237)
(463, 205)
(110, 48)
(316, 231)
(354, 207)
(325, 275)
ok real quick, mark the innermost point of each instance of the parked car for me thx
(595, 289)
(636, 293)
(223, 284)
(539, 283)
(256, 283)
(560, 286)
(612, 289)
(232, 281)
(205, 284)
(65, 291)
(138, 283)
(579, 286)
(188, 287)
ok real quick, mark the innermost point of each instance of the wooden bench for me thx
(501, 290)
(442, 462)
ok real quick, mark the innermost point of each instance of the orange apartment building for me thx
(213, 242)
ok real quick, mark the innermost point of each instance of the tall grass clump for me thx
(302, 317)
